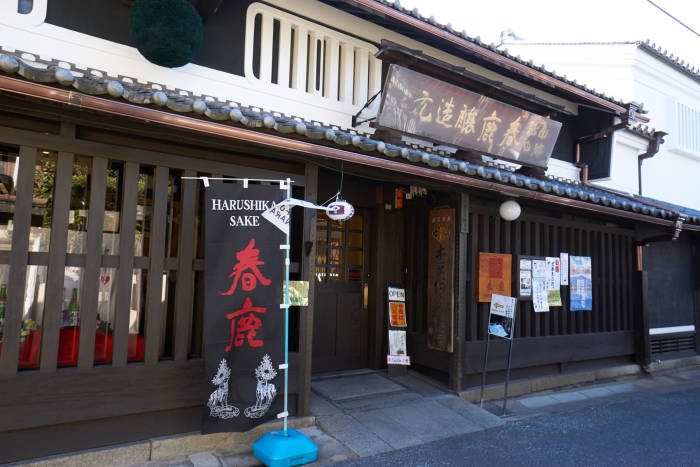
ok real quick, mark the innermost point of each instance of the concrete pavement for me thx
(361, 414)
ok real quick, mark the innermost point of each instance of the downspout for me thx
(652, 150)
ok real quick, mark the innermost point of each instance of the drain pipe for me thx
(652, 150)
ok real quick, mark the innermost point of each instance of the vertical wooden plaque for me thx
(441, 258)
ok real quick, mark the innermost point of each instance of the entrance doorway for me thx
(340, 303)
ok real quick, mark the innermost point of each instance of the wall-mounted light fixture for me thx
(509, 210)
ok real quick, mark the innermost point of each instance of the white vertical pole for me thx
(286, 312)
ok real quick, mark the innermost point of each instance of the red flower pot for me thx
(103, 347)
(68, 341)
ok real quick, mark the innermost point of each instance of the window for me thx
(339, 250)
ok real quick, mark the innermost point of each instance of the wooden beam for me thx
(308, 265)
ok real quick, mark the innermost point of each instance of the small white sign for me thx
(525, 283)
(564, 259)
(398, 360)
(525, 264)
(539, 295)
(397, 342)
(397, 294)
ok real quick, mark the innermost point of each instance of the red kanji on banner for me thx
(247, 325)
(247, 260)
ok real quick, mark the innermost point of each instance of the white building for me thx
(669, 89)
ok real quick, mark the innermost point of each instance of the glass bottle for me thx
(3, 306)
(73, 315)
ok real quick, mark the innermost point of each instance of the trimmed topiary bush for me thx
(166, 32)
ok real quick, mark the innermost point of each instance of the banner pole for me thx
(286, 315)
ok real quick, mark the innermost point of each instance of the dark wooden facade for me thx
(50, 406)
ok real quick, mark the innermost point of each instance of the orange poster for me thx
(397, 314)
(494, 275)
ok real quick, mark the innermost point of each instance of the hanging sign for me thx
(580, 283)
(564, 260)
(502, 316)
(441, 257)
(243, 323)
(298, 293)
(494, 275)
(417, 104)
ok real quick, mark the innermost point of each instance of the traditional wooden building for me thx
(98, 147)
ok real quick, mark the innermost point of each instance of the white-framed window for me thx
(23, 12)
(287, 52)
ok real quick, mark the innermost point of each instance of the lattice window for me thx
(293, 53)
(687, 135)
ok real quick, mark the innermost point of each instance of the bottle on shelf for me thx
(73, 311)
(3, 306)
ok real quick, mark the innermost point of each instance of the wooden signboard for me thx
(494, 275)
(441, 258)
(416, 104)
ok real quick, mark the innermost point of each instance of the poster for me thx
(441, 260)
(243, 322)
(580, 283)
(564, 260)
(525, 289)
(494, 275)
(298, 293)
(397, 343)
(525, 264)
(397, 314)
(553, 281)
(502, 316)
(539, 269)
(539, 294)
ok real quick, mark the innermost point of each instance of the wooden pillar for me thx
(308, 263)
(376, 322)
(461, 297)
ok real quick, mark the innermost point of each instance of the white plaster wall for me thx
(50, 42)
(628, 73)
(623, 167)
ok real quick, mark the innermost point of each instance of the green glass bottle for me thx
(73, 310)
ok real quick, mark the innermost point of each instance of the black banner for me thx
(243, 322)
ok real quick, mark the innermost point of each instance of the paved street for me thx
(656, 427)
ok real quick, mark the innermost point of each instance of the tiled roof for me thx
(396, 5)
(676, 62)
(95, 82)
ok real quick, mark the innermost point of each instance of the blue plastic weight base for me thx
(276, 450)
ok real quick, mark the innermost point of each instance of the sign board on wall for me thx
(417, 104)
(580, 283)
(494, 275)
(441, 256)
(243, 324)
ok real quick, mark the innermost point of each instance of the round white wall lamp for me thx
(509, 210)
